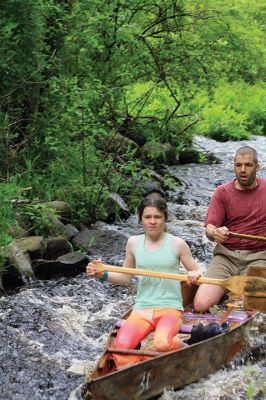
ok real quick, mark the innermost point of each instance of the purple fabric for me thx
(186, 328)
(235, 316)
(238, 316)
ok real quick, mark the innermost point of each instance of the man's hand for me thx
(218, 235)
(221, 234)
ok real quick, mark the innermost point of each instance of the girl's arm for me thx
(115, 277)
(184, 253)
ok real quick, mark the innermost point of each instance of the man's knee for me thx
(206, 296)
(200, 305)
(200, 300)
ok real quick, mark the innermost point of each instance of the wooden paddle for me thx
(251, 302)
(230, 309)
(244, 236)
(251, 285)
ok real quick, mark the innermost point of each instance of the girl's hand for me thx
(193, 276)
(93, 270)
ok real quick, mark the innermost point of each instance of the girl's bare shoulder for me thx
(178, 242)
(132, 240)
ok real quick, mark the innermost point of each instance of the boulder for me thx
(20, 259)
(34, 245)
(62, 208)
(116, 207)
(69, 264)
(56, 247)
(101, 243)
(70, 231)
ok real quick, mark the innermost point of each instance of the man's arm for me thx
(217, 234)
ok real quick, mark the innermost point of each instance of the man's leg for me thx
(252, 259)
(207, 295)
(221, 267)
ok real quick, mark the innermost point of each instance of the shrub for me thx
(234, 111)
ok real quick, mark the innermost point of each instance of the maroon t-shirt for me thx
(241, 211)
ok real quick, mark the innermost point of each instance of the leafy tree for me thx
(76, 73)
(22, 42)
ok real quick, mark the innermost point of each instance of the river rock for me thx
(70, 231)
(11, 279)
(34, 245)
(70, 264)
(62, 208)
(56, 247)
(75, 262)
(16, 231)
(75, 257)
(101, 243)
(20, 259)
(116, 207)
(189, 156)
(154, 182)
(47, 269)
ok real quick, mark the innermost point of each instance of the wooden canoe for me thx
(148, 379)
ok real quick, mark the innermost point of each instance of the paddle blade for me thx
(255, 287)
(252, 286)
(236, 284)
(256, 303)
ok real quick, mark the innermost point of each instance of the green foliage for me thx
(250, 100)
(126, 179)
(76, 73)
(237, 110)
(256, 387)
(251, 390)
(40, 219)
(215, 310)
(22, 30)
(223, 124)
(149, 98)
(154, 108)
(8, 191)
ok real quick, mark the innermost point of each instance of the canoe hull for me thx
(148, 379)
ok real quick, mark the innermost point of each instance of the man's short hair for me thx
(242, 151)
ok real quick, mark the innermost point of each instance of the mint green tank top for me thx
(157, 292)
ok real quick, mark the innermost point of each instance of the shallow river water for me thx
(52, 332)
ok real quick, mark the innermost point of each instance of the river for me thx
(52, 332)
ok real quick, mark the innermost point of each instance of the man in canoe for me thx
(236, 206)
(158, 306)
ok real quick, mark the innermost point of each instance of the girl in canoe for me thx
(158, 306)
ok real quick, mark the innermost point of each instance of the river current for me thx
(52, 332)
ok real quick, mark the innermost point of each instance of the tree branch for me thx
(27, 79)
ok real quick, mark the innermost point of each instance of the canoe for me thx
(148, 379)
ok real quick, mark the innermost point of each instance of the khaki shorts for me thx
(227, 263)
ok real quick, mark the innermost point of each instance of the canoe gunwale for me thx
(242, 324)
(232, 342)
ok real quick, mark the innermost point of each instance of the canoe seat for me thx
(148, 353)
